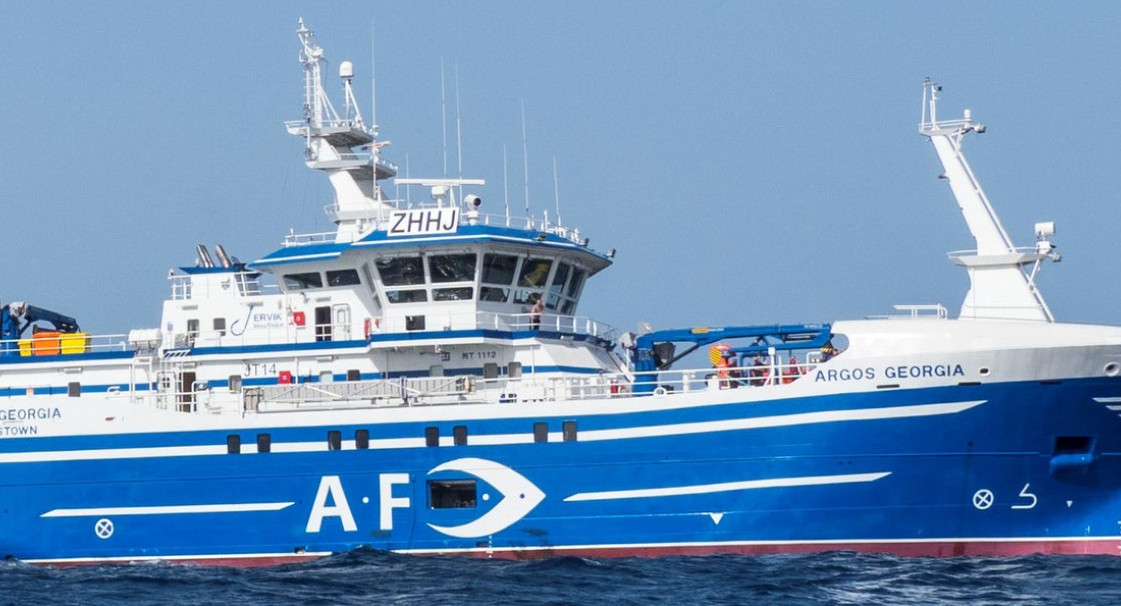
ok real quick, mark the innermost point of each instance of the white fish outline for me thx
(519, 497)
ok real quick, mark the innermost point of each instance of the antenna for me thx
(408, 188)
(505, 192)
(444, 115)
(458, 129)
(458, 132)
(525, 164)
(556, 191)
(373, 86)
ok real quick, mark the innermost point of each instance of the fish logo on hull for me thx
(519, 497)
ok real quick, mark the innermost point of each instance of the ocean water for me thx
(372, 578)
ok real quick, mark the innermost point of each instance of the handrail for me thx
(581, 325)
(65, 344)
(529, 387)
(245, 283)
(917, 311)
(1016, 250)
(379, 217)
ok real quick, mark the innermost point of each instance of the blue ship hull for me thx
(970, 469)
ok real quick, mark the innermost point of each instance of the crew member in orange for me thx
(791, 371)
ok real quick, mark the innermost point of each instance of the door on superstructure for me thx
(186, 396)
(341, 328)
(323, 323)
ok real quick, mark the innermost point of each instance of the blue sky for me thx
(752, 162)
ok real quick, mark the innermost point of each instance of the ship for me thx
(419, 381)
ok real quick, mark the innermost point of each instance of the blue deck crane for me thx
(656, 350)
(17, 317)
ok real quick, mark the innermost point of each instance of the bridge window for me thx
(406, 296)
(343, 277)
(452, 268)
(499, 269)
(303, 281)
(451, 494)
(490, 293)
(402, 271)
(557, 287)
(575, 283)
(525, 296)
(464, 293)
(535, 272)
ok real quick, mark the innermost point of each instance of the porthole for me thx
(984, 372)
(1112, 368)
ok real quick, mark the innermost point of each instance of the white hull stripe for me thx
(1113, 404)
(593, 435)
(806, 418)
(166, 509)
(727, 487)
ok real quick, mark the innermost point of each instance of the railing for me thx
(72, 345)
(544, 388)
(914, 312)
(444, 320)
(271, 335)
(190, 286)
(302, 124)
(564, 324)
(294, 239)
(528, 223)
(378, 214)
(763, 375)
(65, 344)
(159, 388)
(1018, 254)
(385, 392)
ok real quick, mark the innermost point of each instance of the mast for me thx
(1000, 287)
(343, 147)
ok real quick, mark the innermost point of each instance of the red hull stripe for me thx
(909, 548)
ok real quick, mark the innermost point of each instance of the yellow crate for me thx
(25, 347)
(75, 342)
